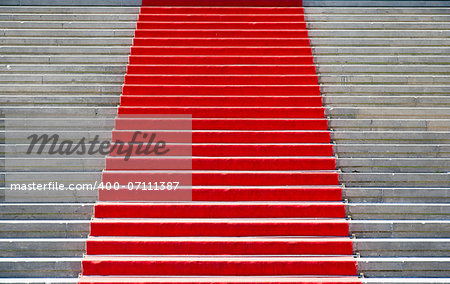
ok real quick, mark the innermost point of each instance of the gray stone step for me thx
(30, 89)
(120, 60)
(20, 137)
(66, 17)
(319, 50)
(384, 79)
(20, 150)
(391, 194)
(370, 266)
(362, 137)
(370, 11)
(73, 163)
(347, 165)
(407, 32)
(59, 32)
(61, 69)
(76, 101)
(344, 150)
(371, 165)
(55, 41)
(382, 112)
(40, 267)
(127, 41)
(357, 50)
(85, 40)
(379, 69)
(61, 78)
(40, 26)
(65, 178)
(379, 25)
(126, 29)
(357, 211)
(392, 150)
(397, 194)
(380, 42)
(107, 123)
(63, 196)
(386, 101)
(322, 68)
(400, 228)
(46, 211)
(110, 10)
(361, 228)
(440, 16)
(58, 112)
(326, 89)
(388, 60)
(64, 50)
(424, 90)
(398, 211)
(44, 228)
(395, 179)
(63, 247)
(75, 247)
(325, 79)
(404, 267)
(58, 124)
(349, 179)
(390, 124)
(390, 247)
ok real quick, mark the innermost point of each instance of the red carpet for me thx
(266, 202)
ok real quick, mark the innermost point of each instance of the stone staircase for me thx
(62, 71)
(384, 75)
(385, 79)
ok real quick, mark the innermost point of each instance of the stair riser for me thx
(220, 80)
(137, 50)
(218, 248)
(271, 90)
(226, 179)
(221, 18)
(220, 211)
(243, 268)
(220, 10)
(226, 112)
(218, 229)
(222, 29)
(242, 150)
(222, 69)
(219, 42)
(228, 124)
(226, 137)
(223, 3)
(220, 59)
(231, 164)
(218, 101)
